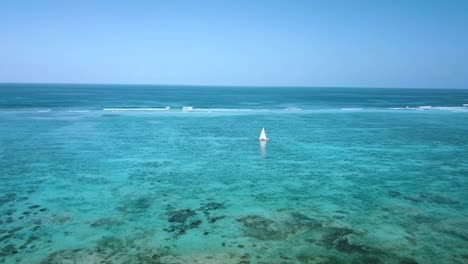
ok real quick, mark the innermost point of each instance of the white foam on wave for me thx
(138, 109)
(451, 108)
(293, 108)
(187, 109)
(433, 108)
(403, 108)
(35, 110)
(425, 107)
(224, 109)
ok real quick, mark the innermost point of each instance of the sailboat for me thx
(263, 136)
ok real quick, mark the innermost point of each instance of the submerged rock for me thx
(6, 237)
(9, 197)
(131, 254)
(311, 259)
(180, 216)
(30, 240)
(333, 234)
(8, 250)
(262, 228)
(110, 245)
(211, 206)
(150, 257)
(194, 224)
(303, 221)
(73, 256)
(9, 211)
(111, 249)
(106, 222)
(179, 219)
(213, 219)
(181, 229)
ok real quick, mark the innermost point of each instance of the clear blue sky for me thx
(402, 43)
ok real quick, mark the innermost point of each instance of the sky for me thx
(354, 43)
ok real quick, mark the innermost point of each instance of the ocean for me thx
(122, 174)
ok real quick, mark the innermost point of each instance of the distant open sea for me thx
(121, 174)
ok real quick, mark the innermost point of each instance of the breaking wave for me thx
(352, 109)
(138, 109)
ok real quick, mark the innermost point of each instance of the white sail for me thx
(263, 135)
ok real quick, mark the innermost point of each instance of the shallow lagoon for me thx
(332, 186)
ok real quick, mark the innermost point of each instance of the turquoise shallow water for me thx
(349, 175)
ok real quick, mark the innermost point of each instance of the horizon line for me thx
(236, 86)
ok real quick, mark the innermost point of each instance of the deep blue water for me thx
(96, 97)
(104, 174)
